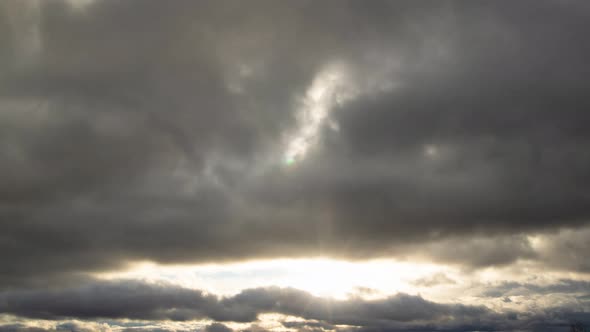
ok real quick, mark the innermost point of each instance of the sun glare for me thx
(321, 277)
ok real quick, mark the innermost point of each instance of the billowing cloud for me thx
(216, 131)
(137, 300)
(131, 137)
(165, 302)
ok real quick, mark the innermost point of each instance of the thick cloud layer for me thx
(143, 130)
(138, 300)
(161, 302)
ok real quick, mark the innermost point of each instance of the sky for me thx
(297, 166)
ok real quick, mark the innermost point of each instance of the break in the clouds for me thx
(199, 132)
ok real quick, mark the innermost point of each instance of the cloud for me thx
(565, 248)
(66, 326)
(144, 131)
(565, 286)
(217, 327)
(434, 280)
(162, 304)
(308, 325)
(20, 328)
(138, 300)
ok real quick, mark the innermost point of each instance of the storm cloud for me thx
(164, 302)
(222, 131)
(137, 300)
(155, 131)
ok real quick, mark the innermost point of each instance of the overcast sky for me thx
(301, 166)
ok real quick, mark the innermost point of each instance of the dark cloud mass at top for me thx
(157, 130)
(143, 130)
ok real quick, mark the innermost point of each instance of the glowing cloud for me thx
(331, 86)
(320, 276)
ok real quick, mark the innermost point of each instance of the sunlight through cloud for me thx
(330, 87)
(321, 277)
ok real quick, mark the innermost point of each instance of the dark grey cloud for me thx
(139, 130)
(564, 286)
(217, 327)
(20, 328)
(308, 325)
(476, 251)
(161, 303)
(434, 280)
(59, 327)
(566, 249)
(138, 300)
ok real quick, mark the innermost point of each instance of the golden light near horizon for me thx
(323, 277)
